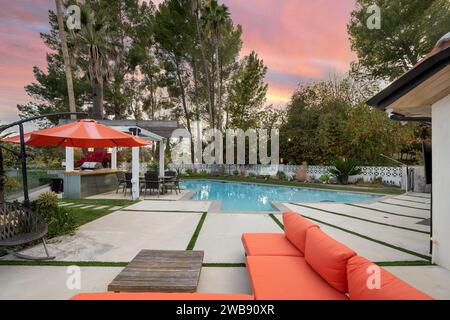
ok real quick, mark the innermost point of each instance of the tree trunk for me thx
(205, 66)
(65, 50)
(97, 110)
(198, 140)
(183, 100)
(219, 91)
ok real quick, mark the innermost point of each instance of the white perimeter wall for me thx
(441, 182)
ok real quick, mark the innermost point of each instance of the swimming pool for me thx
(257, 197)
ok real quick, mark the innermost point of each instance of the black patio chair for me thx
(175, 180)
(19, 226)
(152, 182)
(121, 180)
(128, 184)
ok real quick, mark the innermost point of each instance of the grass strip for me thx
(404, 206)
(382, 191)
(382, 211)
(412, 201)
(415, 196)
(362, 219)
(277, 221)
(62, 263)
(419, 263)
(194, 238)
(372, 239)
(224, 265)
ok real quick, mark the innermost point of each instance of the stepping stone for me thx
(101, 207)
(87, 207)
(115, 208)
(65, 204)
(77, 206)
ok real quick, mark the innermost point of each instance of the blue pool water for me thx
(257, 197)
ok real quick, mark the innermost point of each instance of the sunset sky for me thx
(299, 41)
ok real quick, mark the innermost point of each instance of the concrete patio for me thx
(382, 235)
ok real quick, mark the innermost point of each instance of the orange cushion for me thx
(328, 258)
(160, 296)
(288, 278)
(295, 227)
(391, 287)
(269, 244)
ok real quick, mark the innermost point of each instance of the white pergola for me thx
(135, 163)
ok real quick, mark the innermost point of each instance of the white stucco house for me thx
(423, 94)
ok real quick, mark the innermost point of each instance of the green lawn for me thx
(352, 188)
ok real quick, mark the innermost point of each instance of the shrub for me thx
(343, 169)
(153, 166)
(252, 175)
(60, 220)
(281, 175)
(236, 173)
(325, 178)
(101, 156)
(188, 172)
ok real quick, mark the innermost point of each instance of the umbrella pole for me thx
(23, 158)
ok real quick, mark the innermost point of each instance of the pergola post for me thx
(162, 152)
(135, 164)
(114, 158)
(70, 167)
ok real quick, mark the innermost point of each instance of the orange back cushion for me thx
(295, 227)
(328, 258)
(363, 283)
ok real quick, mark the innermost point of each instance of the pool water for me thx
(257, 197)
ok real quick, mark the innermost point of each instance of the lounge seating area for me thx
(304, 263)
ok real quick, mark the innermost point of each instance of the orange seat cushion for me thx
(288, 278)
(160, 296)
(328, 258)
(269, 244)
(295, 227)
(391, 288)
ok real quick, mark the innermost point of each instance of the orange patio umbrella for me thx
(80, 134)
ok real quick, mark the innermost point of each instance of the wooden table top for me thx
(160, 271)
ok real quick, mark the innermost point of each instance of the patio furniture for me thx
(176, 181)
(121, 180)
(307, 264)
(160, 271)
(302, 264)
(19, 226)
(152, 182)
(128, 183)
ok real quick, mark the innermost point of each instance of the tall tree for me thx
(409, 30)
(67, 65)
(247, 93)
(215, 17)
(196, 6)
(93, 47)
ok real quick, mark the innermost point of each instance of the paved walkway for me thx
(382, 232)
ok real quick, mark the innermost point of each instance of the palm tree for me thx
(65, 51)
(93, 46)
(196, 9)
(215, 18)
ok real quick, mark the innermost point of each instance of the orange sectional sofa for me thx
(304, 263)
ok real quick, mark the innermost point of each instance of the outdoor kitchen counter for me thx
(82, 184)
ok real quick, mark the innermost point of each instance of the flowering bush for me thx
(101, 156)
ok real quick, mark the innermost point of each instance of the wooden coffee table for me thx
(160, 271)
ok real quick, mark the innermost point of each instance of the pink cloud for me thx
(299, 40)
